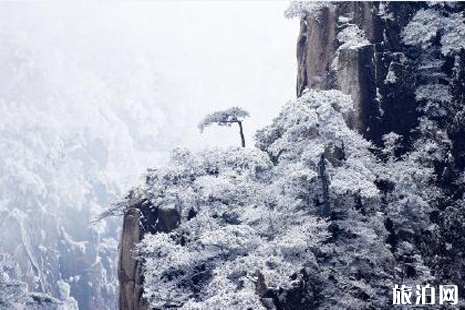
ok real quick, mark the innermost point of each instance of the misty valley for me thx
(202, 155)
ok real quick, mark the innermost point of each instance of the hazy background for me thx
(177, 60)
(92, 94)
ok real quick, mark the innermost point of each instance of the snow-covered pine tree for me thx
(234, 115)
(255, 228)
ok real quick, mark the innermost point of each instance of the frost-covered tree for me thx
(312, 132)
(438, 21)
(293, 222)
(226, 118)
(437, 33)
(408, 208)
(421, 188)
(230, 215)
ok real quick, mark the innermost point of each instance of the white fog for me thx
(93, 94)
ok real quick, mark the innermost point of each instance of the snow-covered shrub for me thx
(13, 294)
(423, 27)
(453, 39)
(436, 97)
(313, 127)
(303, 8)
(391, 77)
(384, 12)
(349, 37)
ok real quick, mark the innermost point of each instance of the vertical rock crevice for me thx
(359, 71)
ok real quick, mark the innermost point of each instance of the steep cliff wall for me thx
(402, 64)
(129, 270)
(139, 218)
(358, 67)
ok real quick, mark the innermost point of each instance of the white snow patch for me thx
(390, 77)
(352, 37)
(433, 92)
(303, 8)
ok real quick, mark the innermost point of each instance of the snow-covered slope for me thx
(69, 147)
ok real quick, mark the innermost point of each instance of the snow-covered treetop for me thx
(352, 37)
(303, 8)
(453, 39)
(423, 27)
(224, 118)
(313, 116)
(427, 24)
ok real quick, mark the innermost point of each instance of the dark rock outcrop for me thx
(139, 218)
(360, 71)
(129, 269)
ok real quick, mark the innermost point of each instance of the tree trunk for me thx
(326, 210)
(241, 132)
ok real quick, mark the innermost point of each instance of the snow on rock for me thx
(352, 37)
(303, 8)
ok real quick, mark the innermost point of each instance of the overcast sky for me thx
(180, 59)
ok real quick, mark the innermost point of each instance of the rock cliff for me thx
(367, 50)
(325, 61)
(139, 218)
(129, 271)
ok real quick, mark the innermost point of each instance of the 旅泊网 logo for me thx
(425, 295)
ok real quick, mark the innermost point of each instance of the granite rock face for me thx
(129, 268)
(324, 62)
(139, 218)
(86, 266)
